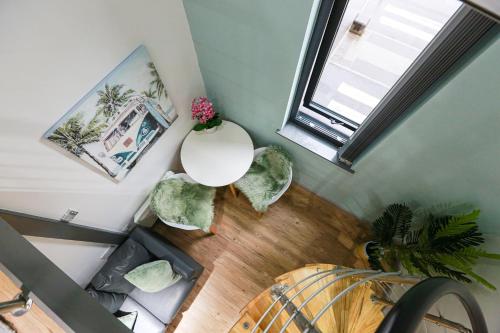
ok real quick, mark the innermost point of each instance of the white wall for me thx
(51, 54)
(77, 259)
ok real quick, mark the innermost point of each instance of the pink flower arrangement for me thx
(203, 110)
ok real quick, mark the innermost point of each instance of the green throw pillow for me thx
(153, 276)
(129, 319)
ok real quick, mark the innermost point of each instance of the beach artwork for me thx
(119, 120)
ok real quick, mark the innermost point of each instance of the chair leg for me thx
(213, 230)
(234, 190)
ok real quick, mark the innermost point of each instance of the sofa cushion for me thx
(163, 249)
(127, 318)
(153, 277)
(145, 322)
(127, 257)
(164, 304)
(111, 301)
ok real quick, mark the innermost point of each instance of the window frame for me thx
(466, 27)
(324, 27)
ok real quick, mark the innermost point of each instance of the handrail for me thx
(316, 293)
(437, 320)
(346, 291)
(411, 308)
(31, 225)
(283, 306)
(281, 292)
(284, 293)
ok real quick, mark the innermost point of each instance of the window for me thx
(368, 60)
(112, 139)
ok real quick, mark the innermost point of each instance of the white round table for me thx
(219, 158)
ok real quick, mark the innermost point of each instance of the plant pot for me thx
(210, 130)
(361, 252)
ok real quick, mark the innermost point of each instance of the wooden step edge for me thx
(245, 325)
(251, 304)
(317, 266)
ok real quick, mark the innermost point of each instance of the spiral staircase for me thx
(324, 298)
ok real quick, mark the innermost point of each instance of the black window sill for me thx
(314, 144)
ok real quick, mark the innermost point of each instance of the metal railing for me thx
(381, 282)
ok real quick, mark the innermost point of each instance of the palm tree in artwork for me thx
(73, 135)
(157, 83)
(111, 98)
(149, 93)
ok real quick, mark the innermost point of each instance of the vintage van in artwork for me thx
(132, 131)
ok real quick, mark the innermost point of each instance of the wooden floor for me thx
(248, 253)
(35, 320)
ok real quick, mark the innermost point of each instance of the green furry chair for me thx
(182, 203)
(268, 178)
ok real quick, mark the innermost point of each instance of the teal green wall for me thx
(449, 150)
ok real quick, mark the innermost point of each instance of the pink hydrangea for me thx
(202, 109)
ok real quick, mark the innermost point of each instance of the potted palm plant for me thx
(433, 242)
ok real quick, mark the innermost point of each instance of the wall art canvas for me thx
(119, 120)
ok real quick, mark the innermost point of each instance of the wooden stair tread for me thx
(353, 313)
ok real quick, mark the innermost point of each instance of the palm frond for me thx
(412, 237)
(442, 209)
(396, 220)
(458, 262)
(111, 99)
(157, 83)
(440, 269)
(458, 224)
(481, 280)
(403, 215)
(452, 244)
(150, 93)
(466, 267)
(476, 253)
(415, 264)
(384, 230)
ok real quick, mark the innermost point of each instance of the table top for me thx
(219, 158)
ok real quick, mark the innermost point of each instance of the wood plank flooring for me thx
(248, 252)
(35, 320)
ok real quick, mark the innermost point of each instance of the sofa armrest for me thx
(163, 249)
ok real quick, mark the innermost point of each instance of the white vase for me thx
(210, 130)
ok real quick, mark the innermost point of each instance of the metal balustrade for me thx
(284, 307)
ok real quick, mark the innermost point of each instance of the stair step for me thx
(245, 325)
(353, 313)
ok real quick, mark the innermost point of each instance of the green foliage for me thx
(199, 127)
(157, 83)
(394, 222)
(73, 135)
(442, 243)
(215, 121)
(111, 98)
(149, 93)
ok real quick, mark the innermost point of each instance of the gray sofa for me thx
(155, 310)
